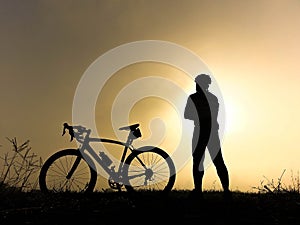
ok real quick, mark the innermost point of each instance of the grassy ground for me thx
(148, 208)
(276, 207)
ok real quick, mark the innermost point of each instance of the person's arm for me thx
(190, 110)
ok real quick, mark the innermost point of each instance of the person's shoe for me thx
(227, 196)
(196, 195)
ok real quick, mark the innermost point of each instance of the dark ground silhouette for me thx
(148, 208)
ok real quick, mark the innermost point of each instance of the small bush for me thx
(278, 187)
(19, 167)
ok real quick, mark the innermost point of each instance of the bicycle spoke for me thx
(55, 175)
(150, 170)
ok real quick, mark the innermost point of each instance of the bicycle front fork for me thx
(76, 163)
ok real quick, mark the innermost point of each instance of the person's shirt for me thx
(202, 108)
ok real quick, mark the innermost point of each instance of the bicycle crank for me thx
(114, 185)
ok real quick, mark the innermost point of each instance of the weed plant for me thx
(19, 167)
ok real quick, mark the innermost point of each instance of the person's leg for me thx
(199, 145)
(198, 173)
(214, 148)
(222, 170)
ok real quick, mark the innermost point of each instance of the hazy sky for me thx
(252, 47)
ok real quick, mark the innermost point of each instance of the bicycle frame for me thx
(110, 171)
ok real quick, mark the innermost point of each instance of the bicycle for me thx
(72, 170)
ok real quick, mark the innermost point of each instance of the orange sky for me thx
(250, 46)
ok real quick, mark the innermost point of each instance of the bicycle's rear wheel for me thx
(54, 173)
(157, 174)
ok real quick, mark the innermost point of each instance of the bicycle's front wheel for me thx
(67, 171)
(149, 169)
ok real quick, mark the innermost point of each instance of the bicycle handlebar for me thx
(74, 131)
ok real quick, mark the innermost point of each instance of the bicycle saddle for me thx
(130, 127)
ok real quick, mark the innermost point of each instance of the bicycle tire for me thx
(52, 177)
(160, 170)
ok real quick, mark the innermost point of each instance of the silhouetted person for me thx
(202, 107)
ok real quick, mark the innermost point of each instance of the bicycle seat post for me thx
(134, 133)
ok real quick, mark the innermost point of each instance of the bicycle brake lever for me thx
(64, 128)
(70, 129)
